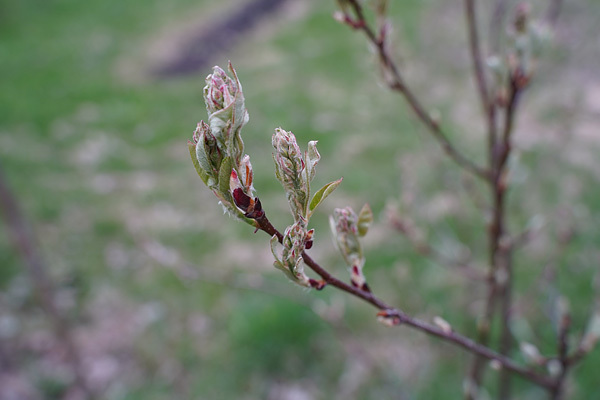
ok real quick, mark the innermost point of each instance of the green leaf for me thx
(224, 175)
(365, 218)
(322, 194)
(203, 175)
(202, 157)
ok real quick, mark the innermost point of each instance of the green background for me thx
(167, 298)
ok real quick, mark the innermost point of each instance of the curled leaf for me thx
(225, 175)
(312, 159)
(365, 218)
(203, 175)
(322, 194)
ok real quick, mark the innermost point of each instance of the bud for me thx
(443, 324)
(531, 353)
(554, 367)
(592, 333)
(345, 229)
(217, 148)
(386, 319)
(343, 224)
(227, 113)
(291, 262)
(208, 153)
(242, 190)
(290, 170)
(522, 17)
(495, 365)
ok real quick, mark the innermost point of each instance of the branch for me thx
(476, 54)
(396, 82)
(488, 105)
(402, 318)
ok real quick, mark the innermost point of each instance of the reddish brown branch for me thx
(405, 319)
(488, 105)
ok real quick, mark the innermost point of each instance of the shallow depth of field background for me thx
(169, 299)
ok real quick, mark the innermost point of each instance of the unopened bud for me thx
(386, 319)
(522, 17)
(442, 324)
(289, 169)
(554, 367)
(495, 365)
(291, 261)
(592, 333)
(208, 153)
(531, 353)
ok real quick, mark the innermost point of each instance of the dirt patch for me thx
(196, 51)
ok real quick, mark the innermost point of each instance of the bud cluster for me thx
(526, 40)
(217, 148)
(347, 227)
(217, 152)
(295, 171)
(295, 240)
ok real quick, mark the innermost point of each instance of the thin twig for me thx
(405, 319)
(396, 83)
(488, 105)
(476, 57)
(563, 356)
(23, 242)
(500, 257)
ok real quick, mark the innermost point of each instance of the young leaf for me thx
(365, 217)
(203, 175)
(322, 194)
(224, 175)
(312, 158)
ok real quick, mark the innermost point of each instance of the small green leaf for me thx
(203, 175)
(365, 218)
(322, 194)
(224, 174)
(202, 156)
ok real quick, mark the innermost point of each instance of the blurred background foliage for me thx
(167, 298)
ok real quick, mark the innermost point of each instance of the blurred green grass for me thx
(94, 148)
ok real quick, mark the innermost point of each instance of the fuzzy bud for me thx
(443, 324)
(291, 262)
(592, 334)
(208, 153)
(344, 225)
(227, 113)
(531, 353)
(217, 148)
(290, 171)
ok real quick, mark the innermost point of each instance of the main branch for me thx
(404, 319)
